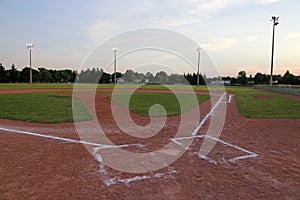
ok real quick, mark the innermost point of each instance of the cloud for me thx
(101, 30)
(220, 44)
(212, 7)
(292, 36)
(168, 14)
(265, 2)
(251, 38)
(195, 11)
(167, 22)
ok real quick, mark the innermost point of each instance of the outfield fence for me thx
(284, 89)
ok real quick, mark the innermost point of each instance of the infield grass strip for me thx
(256, 104)
(41, 107)
(141, 103)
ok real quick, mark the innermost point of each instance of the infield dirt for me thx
(39, 168)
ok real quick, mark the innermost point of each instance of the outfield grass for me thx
(249, 106)
(41, 107)
(271, 106)
(141, 102)
(12, 86)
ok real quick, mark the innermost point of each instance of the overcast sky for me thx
(236, 34)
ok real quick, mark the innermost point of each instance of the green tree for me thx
(242, 77)
(13, 74)
(161, 77)
(129, 76)
(260, 78)
(3, 78)
(289, 78)
(150, 77)
(46, 76)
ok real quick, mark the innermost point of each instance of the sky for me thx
(235, 34)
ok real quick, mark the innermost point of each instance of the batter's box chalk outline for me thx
(109, 180)
(248, 154)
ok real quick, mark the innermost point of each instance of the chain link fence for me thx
(285, 89)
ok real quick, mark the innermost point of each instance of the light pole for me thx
(30, 47)
(275, 23)
(198, 64)
(115, 64)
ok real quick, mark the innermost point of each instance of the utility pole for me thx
(198, 64)
(275, 23)
(30, 47)
(115, 64)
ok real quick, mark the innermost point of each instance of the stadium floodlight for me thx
(275, 23)
(115, 64)
(30, 47)
(199, 49)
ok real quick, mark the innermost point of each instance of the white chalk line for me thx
(194, 135)
(101, 146)
(108, 180)
(230, 98)
(208, 115)
(112, 181)
(250, 154)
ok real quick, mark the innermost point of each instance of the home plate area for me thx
(223, 154)
(111, 176)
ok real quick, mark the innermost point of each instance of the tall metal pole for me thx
(275, 22)
(30, 47)
(115, 64)
(198, 64)
(30, 72)
(115, 78)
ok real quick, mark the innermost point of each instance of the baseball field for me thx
(48, 152)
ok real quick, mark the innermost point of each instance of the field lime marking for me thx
(232, 160)
(208, 115)
(102, 146)
(108, 181)
(202, 122)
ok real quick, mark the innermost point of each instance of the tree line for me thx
(260, 78)
(42, 75)
(94, 75)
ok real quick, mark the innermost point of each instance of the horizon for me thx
(168, 73)
(236, 35)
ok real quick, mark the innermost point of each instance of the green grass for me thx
(104, 86)
(12, 86)
(41, 107)
(141, 102)
(273, 107)
(174, 87)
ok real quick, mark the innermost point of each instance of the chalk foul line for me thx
(107, 179)
(208, 115)
(249, 154)
(102, 146)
